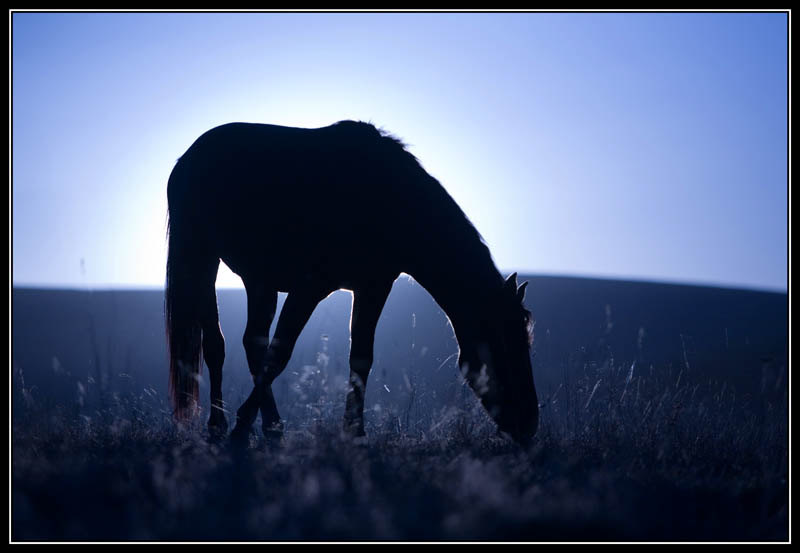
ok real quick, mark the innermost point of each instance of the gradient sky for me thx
(645, 146)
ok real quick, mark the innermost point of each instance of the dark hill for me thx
(114, 340)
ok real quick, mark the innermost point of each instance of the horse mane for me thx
(434, 187)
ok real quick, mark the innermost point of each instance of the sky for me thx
(645, 146)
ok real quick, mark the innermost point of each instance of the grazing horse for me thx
(310, 211)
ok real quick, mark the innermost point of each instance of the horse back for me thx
(290, 200)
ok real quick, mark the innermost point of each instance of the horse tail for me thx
(189, 274)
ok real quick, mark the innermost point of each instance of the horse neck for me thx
(461, 277)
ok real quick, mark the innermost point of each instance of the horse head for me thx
(497, 364)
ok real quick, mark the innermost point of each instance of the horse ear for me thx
(511, 281)
(521, 291)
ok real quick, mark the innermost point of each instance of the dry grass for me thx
(622, 454)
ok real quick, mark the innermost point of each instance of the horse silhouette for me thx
(311, 211)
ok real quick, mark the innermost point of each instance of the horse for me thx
(311, 211)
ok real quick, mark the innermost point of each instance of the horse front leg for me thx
(367, 306)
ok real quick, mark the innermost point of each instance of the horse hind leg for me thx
(261, 304)
(296, 311)
(214, 356)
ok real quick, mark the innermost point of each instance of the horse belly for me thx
(298, 256)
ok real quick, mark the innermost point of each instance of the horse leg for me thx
(367, 307)
(214, 355)
(295, 314)
(261, 303)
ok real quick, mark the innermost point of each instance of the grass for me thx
(623, 453)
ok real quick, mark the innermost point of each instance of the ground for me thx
(620, 455)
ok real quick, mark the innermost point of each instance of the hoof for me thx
(240, 436)
(273, 431)
(353, 430)
(217, 429)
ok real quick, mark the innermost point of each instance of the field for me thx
(646, 434)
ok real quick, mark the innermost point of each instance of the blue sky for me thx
(644, 146)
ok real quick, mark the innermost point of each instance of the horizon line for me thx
(99, 287)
